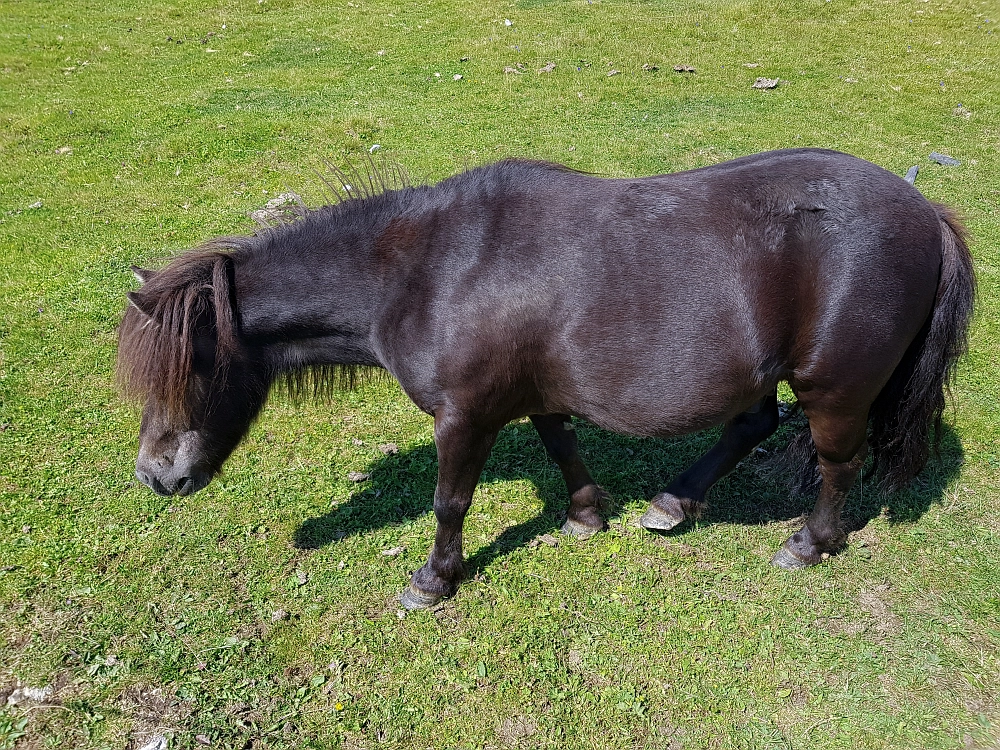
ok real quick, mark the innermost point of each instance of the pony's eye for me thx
(204, 355)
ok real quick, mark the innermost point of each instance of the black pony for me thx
(653, 306)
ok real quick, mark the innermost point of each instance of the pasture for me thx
(263, 611)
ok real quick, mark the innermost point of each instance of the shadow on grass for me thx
(401, 486)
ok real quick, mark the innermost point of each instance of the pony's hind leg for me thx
(685, 497)
(583, 519)
(841, 449)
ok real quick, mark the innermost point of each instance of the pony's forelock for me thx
(156, 335)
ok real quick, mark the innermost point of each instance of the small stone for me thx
(548, 68)
(64, 150)
(389, 449)
(943, 159)
(23, 695)
(279, 615)
(158, 742)
(202, 739)
(359, 476)
(766, 83)
(613, 73)
(684, 69)
(36, 204)
(357, 442)
(394, 551)
(511, 69)
(456, 77)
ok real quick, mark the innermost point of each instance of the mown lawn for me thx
(261, 613)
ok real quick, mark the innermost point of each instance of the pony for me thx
(653, 306)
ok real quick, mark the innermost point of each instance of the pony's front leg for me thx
(462, 451)
(586, 498)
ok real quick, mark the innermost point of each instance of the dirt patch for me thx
(864, 537)
(873, 600)
(514, 729)
(574, 661)
(447, 611)
(152, 710)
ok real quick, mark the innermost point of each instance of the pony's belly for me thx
(663, 410)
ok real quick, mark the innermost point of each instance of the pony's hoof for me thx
(788, 560)
(578, 530)
(412, 598)
(655, 519)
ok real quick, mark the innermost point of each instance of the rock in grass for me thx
(943, 159)
(25, 695)
(766, 83)
(158, 742)
(911, 174)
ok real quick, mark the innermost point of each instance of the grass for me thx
(261, 612)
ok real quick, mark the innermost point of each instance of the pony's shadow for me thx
(401, 486)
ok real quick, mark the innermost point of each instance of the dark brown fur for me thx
(651, 306)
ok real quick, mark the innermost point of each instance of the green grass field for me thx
(261, 613)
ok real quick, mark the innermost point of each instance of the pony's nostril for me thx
(185, 486)
(143, 477)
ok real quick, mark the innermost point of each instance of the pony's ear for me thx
(142, 275)
(144, 303)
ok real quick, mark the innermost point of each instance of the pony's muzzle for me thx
(152, 482)
(184, 485)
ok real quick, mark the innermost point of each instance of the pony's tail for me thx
(913, 401)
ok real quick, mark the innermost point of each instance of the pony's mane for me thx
(322, 382)
(366, 180)
(156, 336)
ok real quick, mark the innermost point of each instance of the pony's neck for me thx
(307, 293)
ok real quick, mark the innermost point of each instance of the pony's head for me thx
(179, 354)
